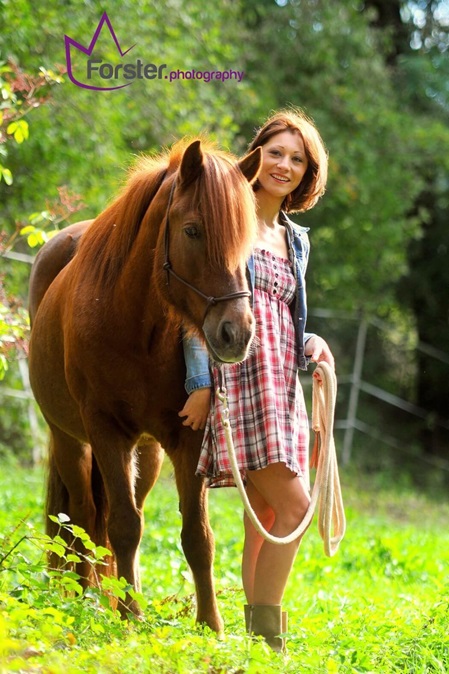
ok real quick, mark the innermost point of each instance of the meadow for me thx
(381, 605)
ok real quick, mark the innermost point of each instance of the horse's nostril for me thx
(227, 332)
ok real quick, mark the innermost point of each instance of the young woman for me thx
(267, 409)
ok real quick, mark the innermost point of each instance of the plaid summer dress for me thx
(265, 398)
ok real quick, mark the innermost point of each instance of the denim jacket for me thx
(195, 353)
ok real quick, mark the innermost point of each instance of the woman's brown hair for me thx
(313, 184)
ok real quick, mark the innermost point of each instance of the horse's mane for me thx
(222, 194)
(105, 246)
(227, 206)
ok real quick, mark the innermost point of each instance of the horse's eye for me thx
(192, 231)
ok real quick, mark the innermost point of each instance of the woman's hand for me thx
(318, 350)
(196, 409)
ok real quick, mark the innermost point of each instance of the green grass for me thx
(380, 605)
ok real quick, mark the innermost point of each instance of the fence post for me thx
(355, 390)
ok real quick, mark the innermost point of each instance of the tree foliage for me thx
(20, 93)
(373, 76)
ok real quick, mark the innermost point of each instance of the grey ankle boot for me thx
(266, 620)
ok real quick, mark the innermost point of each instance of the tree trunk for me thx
(425, 287)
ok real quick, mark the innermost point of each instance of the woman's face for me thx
(284, 164)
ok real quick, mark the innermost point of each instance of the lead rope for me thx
(326, 492)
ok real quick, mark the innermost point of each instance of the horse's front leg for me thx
(149, 457)
(114, 452)
(196, 536)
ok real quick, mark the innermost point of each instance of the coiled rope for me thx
(326, 492)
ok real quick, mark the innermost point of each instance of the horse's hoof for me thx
(215, 624)
(131, 611)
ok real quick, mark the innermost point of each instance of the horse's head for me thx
(210, 228)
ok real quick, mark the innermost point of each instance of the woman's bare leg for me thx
(286, 495)
(253, 540)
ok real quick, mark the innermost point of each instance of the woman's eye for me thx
(192, 231)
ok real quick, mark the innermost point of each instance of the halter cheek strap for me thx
(167, 266)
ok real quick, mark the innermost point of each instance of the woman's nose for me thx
(283, 162)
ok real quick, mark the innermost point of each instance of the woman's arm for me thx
(197, 364)
(317, 349)
(198, 384)
(196, 409)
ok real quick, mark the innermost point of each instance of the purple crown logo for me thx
(108, 69)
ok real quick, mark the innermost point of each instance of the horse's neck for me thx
(138, 276)
(113, 274)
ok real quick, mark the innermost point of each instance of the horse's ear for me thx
(191, 164)
(251, 164)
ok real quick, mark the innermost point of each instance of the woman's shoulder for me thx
(296, 229)
(298, 240)
(298, 235)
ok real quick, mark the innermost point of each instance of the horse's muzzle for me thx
(229, 339)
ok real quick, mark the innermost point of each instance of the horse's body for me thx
(106, 362)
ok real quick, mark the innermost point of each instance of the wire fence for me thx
(355, 382)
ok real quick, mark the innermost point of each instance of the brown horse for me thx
(107, 301)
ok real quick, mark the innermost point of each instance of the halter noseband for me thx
(167, 266)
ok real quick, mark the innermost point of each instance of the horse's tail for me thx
(58, 501)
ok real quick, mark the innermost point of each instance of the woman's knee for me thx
(290, 511)
(292, 515)
(261, 508)
(264, 514)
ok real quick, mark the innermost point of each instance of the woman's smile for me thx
(279, 178)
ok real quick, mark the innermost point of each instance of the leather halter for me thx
(167, 266)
